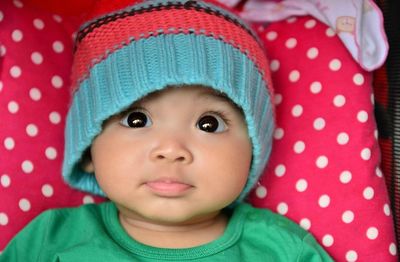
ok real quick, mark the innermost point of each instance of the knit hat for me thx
(125, 53)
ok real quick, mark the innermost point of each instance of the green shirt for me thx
(94, 233)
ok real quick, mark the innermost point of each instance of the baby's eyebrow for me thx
(216, 95)
(220, 97)
(213, 94)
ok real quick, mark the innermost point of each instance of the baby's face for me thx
(176, 156)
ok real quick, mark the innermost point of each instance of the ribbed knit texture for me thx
(115, 33)
(113, 73)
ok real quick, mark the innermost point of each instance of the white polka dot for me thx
(24, 204)
(73, 36)
(343, 138)
(1, 86)
(38, 23)
(15, 71)
(5, 180)
(9, 143)
(88, 199)
(362, 116)
(291, 20)
(58, 46)
(297, 110)
(291, 43)
(366, 154)
(274, 65)
(310, 24)
(57, 18)
(37, 58)
(280, 170)
(322, 161)
(315, 87)
(32, 130)
(35, 94)
(324, 201)
(13, 107)
(27, 166)
(378, 172)
(328, 240)
(282, 208)
(279, 133)
(386, 209)
(358, 79)
(55, 117)
(51, 153)
(3, 50)
(372, 233)
(368, 193)
(351, 256)
(18, 3)
(57, 81)
(376, 134)
(330, 32)
(261, 192)
(47, 190)
(3, 219)
(17, 35)
(294, 76)
(299, 147)
(277, 99)
(305, 223)
(1, 16)
(348, 216)
(335, 65)
(345, 177)
(301, 185)
(319, 123)
(339, 101)
(393, 249)
(312, 53)
(272, 35)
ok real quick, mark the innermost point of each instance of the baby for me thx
(172, 121)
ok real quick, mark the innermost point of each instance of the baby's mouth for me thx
(168, 187)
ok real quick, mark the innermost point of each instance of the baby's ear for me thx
(86, 162)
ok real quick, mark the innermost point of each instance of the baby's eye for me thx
(211, 123)
(136, 119)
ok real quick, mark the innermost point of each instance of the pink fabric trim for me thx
(110, 37)
(358, 23)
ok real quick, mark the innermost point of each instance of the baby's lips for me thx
(168, 187)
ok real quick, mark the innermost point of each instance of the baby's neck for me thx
(175, 236)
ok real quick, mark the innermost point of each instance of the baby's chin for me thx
(172, 214)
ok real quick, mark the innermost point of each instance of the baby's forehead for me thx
(199, 92)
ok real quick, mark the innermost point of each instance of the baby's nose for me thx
(172, 151)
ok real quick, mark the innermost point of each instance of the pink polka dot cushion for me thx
(35, 61)
(324, 170)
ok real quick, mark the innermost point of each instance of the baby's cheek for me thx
(240, 155)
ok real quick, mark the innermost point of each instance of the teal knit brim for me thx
(147, 65)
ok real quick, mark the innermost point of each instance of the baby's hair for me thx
(86, 159)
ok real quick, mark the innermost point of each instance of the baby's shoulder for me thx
(87, 215)
(265, 218)
(272, 226)
(55, 231)
(83, 210)
(280, 237)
